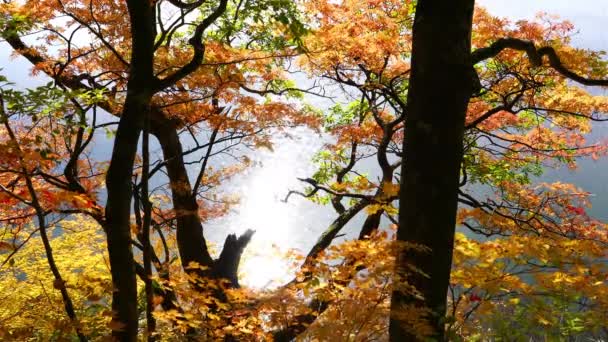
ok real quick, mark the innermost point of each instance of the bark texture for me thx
(442, 81)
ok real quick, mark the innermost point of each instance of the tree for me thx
(139, 64)
(506, 133)
(32, 200)
(435, 123)
(441, 83)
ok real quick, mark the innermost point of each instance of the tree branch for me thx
(196, 41)
(536, 58)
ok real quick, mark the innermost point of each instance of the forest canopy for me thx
(442, 120)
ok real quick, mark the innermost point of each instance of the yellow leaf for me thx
(390, 210)
(390, 189)
(373, 208)
(94, 297)
(340, 187)
(246, 331)
(514, 301)
(543, 321)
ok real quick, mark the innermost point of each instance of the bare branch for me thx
(536, 58)
(196, 41)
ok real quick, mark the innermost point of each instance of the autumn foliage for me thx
(528, 262)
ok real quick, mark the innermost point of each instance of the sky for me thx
(589, 16)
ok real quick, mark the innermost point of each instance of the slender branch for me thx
(332, 231)
(201, 173)
(316, 185)
(59, 283)
(186, 5)
(147, 218)
(486, 116)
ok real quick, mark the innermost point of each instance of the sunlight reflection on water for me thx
(278, 225)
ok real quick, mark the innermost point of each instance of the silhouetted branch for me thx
(536, 58)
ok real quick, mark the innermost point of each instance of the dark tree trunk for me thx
(142, 85)
(124, 300)
(190, 240)
(442, 81)
(118, 179)
(227, 265)
(371, 224)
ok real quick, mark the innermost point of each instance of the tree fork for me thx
(191, 242)
(118, 229)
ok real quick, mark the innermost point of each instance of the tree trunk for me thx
(190, 240)
(118, 183)
(118, 178)
(442, 81)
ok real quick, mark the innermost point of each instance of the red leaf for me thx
(474, 298)
(576, 210)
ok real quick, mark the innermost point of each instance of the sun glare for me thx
(261, 208)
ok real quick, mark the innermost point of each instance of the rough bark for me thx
(145, 229)
(334, 228)
(371, 224)
(442, 81)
